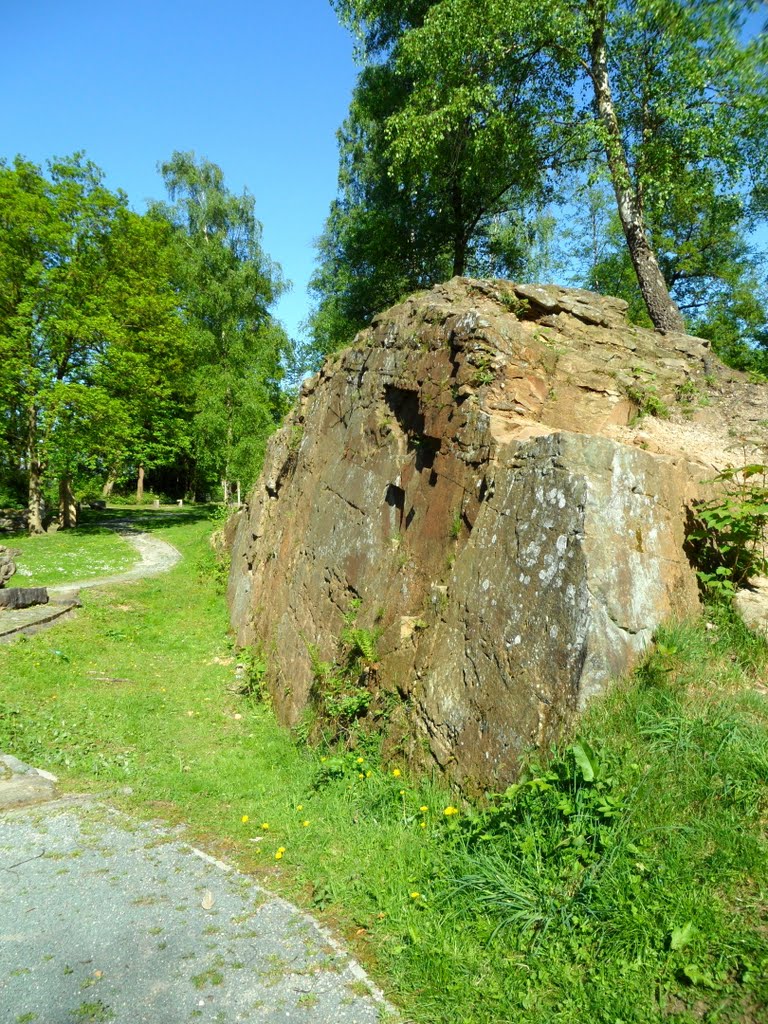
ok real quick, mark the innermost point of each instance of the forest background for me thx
(618, 145)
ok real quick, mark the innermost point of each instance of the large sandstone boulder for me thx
(473, 477)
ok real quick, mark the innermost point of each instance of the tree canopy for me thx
(129, 342)
(226, 284)
(504, 108)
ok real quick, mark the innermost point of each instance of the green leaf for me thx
(699, 977)
(586, 760)
(683, 935)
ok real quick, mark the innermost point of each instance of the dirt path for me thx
(156, 556)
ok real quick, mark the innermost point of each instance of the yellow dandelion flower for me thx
(360, 760)
(265, 825)
(423, 808)
(415, 895)
(305, 823)
(278, 855)
(281, 849)
(402, 792)
(367, 775)
(396, 772)
(299, 807)
(451, 810)
(361, 776)
(423, 824)
(245, 819)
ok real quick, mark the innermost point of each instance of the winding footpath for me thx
(107, 919)
(156, 556)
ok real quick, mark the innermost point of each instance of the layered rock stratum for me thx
(495, 479)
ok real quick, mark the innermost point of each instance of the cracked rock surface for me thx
(473, 476)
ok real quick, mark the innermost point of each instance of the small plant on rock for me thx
(729, 532)
(343, 688)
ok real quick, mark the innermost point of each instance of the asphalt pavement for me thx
(106, 919)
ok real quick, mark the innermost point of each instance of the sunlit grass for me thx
(637, 896)
(68, 555)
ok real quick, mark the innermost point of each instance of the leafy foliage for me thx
(729, 533)
(89, 330)
(226, 284)
(496, 102)
(133, 343)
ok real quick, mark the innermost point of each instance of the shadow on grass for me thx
(150, 520)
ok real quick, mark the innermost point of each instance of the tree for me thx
(714, 274)
(444, 203)
(226, 285)
(659, 87)
(149, 363)
(89, 325)
(54, 315)
(382, 238)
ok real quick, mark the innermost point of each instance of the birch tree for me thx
(226, 285)
(654, 88)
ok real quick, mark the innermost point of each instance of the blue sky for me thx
(256, 87)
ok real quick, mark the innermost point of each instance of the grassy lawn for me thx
(88, 552)
(623, 881)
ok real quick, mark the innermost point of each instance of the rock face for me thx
(470, 480)
(13, 520)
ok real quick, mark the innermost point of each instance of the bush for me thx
(728, 535)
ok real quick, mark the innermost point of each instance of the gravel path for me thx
(106, 920)
(156, 556)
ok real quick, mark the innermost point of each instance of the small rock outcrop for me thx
(20, 784)
(13, 520)
(7, 565)
(473, 481)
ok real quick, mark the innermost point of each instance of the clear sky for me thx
(256, 87)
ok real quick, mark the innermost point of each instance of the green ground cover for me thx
(624, 880)
(58, 558)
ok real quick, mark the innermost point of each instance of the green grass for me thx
(59, 558)
(624, 880)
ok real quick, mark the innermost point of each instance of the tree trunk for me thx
(459, 236)
(459, 257)
(35, 503)
(140, 486)
(35, 522)
(111, 480)
(67, 506)
(662, 309)
(239, 497)
(225, 490)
